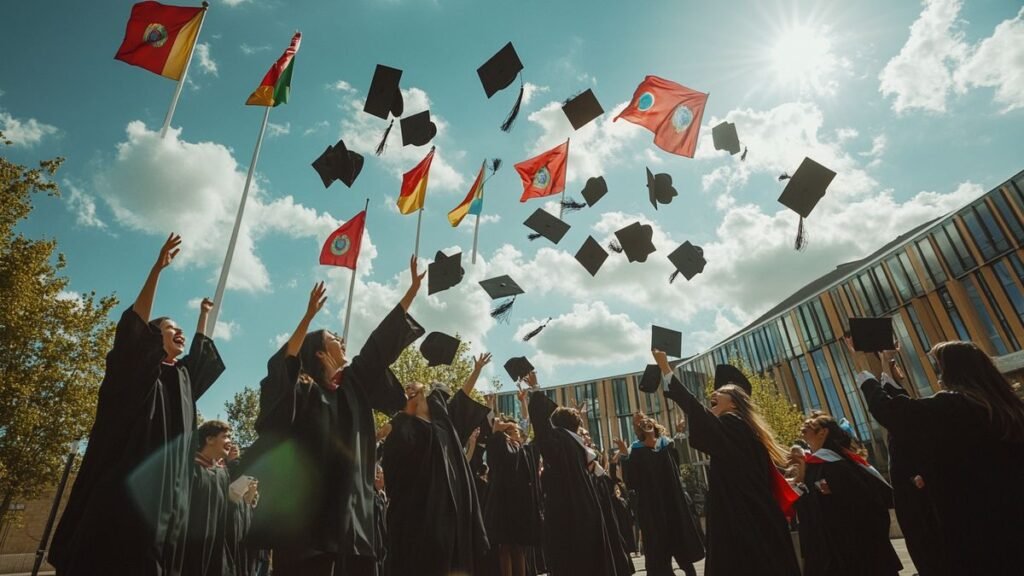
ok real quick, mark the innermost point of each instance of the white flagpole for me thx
(184, 73)
(222, 283)
(561, 200)
(419, 220)
(352, 282)
(476, 226)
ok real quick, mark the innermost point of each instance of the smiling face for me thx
(174, 338)
(219, 446)
(415, 398)
(334, 347)
(721, 403)
(814, 434)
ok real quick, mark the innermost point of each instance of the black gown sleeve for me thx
(902, 414)
(204, 365)
(400, 442)
(279, 393)
(541, 407)
(371, 366)
(706, 429)
(467, 414)
(133, 364)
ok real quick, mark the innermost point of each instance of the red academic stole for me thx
(785, 495)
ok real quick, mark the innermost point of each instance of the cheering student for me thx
(512, 508)
(576, 537)
(970, 439)
(668, 528)
(316, 450)
(128, 509)
(844, 509)
(206, 545)
(435, 522)
(747, 532)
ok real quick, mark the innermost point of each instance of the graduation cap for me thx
(384, 98)
(518, 368)
(595, 189)
(591, 255)
(439, 349)
(872, 334)
(338, 163)
(582, 108)
(660, 188)
(803, 191)
(651, 379)
(444, 272)
(667, 340)
(418, 129)
(635, 241)
(725, 137)
(546, 225)
(498, 73)
(728, 374)
(688, 260)
(502, 287)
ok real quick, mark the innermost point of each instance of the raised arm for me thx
(203, 362)
(143, 305)
(204, 314)
(414, 287)
(478, 364)
(540, 408)
(317, 299)
(706, 430)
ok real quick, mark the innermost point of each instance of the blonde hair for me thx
(749, 413)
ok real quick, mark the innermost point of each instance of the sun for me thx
(802, 56)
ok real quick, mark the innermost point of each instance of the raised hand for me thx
(168, 251)
(621, 445)
(482, 360)
(531, 379)
(661, 359)
(205, 306)
(317, 298)
(521, 394)
(383, 431)
(417, 279)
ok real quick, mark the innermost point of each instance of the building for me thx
(958, 277)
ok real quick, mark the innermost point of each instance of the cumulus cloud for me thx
(275, 130)
(83, 206)
(206, 62)
(530, 90)
(998, 62)
(342, 86)
(589, 334)
(249, 49)
(24, 132)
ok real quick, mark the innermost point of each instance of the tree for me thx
(242, 410)
(51, 344)
(784, 418)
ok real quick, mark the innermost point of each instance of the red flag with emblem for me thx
(160, 38)
(672, 111)
(342, 246)
(544, 175)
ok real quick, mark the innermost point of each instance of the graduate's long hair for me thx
(311, 368)
(749, 413)
(838, 440)
(966, 369)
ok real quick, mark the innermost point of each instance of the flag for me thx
(414, 186)
(277, 84)
(473, 202)
(544, 175)
(342, 246)
(673, 112)
(160, 38)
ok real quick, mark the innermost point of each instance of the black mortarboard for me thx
(688, 260)
(444, 272)
(728, 374)
(872, 334)
(439, 349)
(497, 73)
(595, 189)
(418, 129)
(518, 368)
(546, 225)
(338, 163)
(502, 287)
(591, 255)
(725, 137)
(668, 341)
(582, 108)
(384, 96)
(651, 379)
(660, 188)
(635, 241)
(803, 191)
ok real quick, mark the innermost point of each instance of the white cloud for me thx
(342, 86)
(83, 206)
(249, 50)
(591, 334)
(316, 128)
(275, 130)
(206, 62)
(878, 145)
(235, 2)
(225, 331)
(26, 133)
(530, 90)
(998, 62)
(485, 219)
(279, 340)
(70, 295)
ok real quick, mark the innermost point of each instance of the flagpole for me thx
(561, 199)
(476, 226)
(352, 281)
(419, 220)
(222, 283)
(184, 72)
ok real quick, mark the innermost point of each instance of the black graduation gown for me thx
(512, 509)
(846, 532)
(576, 539)
(971, 475)
(625, 521)
(128, 509)
(666, 524)
(239, 558)
(206, 543)
(316, 450)
(747, 532)
(380, 509)
(606, 497)
(435, 522)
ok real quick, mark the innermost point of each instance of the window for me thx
(835, 406)
(508, 404)
(954, 315)
(986, 319)
(621, 394)
(867, 289)
(918, 328)
(626, 429)
(1016, 191)
(884, 288)
(900, 278)
(841, 310)
(931, 262)
(911, 358)
(1010, 288)
(789, 332)
(805, 384)
(956, 266)
(1009, 217)
(952, 233)
(915, 281)
(845, 370)
(1012, 340)
(987, 235)
(807, 328)
(999, 240)
(855, 307)
(1018, 267)
(822, 320)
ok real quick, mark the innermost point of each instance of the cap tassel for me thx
(384, 140)
(784, 176)
(495, 165)
(572, 205)
(511, 118)
(801, 236)
(503, 311)
(614, 246)
(534, 236)
(530, 335)
(672, 276)
(744, 155)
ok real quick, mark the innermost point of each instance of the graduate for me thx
(316, 451)
(976, 498)
(512, 508)
(206, 544)
(605, 487)
(747, 532)
(243, 496)
(435, 521)
(576, 537)
(668, 528)
(128, 509)
(844, 509)
(380, 503)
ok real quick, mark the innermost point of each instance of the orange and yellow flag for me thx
(414, 186)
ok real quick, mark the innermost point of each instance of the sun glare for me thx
(802, 56)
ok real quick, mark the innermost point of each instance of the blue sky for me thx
(917, 106)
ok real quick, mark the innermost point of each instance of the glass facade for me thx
(1010, 288)
(986, 319)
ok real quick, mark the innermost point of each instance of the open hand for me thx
(482, 360)
(531, 379)
(621, 445)
(417, 278)
(168, 251)
(521, 394)
(317, 298)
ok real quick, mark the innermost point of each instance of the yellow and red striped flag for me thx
(160, 38)
(414, 186)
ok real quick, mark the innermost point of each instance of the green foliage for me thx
(242, 410)
(52, 344)
(784, 418)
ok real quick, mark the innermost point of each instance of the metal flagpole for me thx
(352, 282)
(184, 72)
(561, 199)
(44, 541)
(218, 297)
(419, 220)
(476, 226)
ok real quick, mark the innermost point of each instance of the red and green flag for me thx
(342, 246)
(544, 175)
(672, 111)
(414, 186)
(160, 38)
(277, 84)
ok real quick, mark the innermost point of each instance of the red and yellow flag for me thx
(277, 84)
(414, 186)
(160, 38)
(544, 175)
(672, 111)
(473, 203)
(342, 246)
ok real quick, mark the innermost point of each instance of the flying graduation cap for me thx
(439, 349)
(872, 334)
(591, 255)
(725, 138)
(660, 189)
(803, 191)
(688, 261)
(498, 73)
(594, 190)
(635, 241)
(444, 272)
(418, 129)
(547, 225)
(667, 340)
(518, 368)
(385, 98)
(650, 381)
(502, 287)
(582, 108)
(338, 163)
(728, 374)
